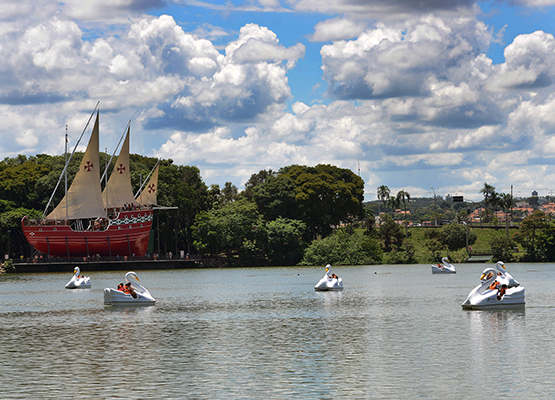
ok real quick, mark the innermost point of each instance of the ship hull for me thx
(127, 235)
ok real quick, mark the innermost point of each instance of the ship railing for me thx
(129, 207)
(44, 258)
(76, 225)
(45, 222)
(114, 212)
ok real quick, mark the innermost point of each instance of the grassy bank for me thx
(484, 235)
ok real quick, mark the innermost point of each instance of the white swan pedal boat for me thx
(492, 295)
(329, 282)
(78, 281)
(444, 268)
(142, 295)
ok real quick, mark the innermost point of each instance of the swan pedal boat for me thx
(327, 283)
(482, 297)
(445, 268)
(78, 281)
(116, 297)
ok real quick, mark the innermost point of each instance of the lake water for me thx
(394, 332)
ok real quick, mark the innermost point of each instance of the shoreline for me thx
(128, 265)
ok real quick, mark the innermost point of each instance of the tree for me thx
(285, 241)
(229, 193)
(506, 203)
(181, 187)
(488, 191)
(434, 243)
(537, 235)
(325, 195)
(394, 203)
(10, 228)
(494, 201)
(390, 234)
(502, 248)
(383, 195)
(403, 197)
(236, 229)
(462, 216)
(487, 216)
(343, 247)
(454, 236)
(257, 179)
(489, 195)
(214, 196)
(275, 197)
(207, 238)
(18, 182)
(369, 221)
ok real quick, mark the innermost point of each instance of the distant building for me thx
(534, 200)
(548, 208)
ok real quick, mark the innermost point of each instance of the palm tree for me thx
(495, 201)
(394, 204)
(489, 193)
(403, 197)
(383, 195)
(505, 201)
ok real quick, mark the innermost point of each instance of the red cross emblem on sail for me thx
(121, 168)
(88, 166)
(151, 188)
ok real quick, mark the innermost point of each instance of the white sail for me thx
(84, 198)
(118, 190)
(148, 195)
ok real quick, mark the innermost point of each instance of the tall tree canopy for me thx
(255, 180)
(537, 235)
(235, 228)
(326, 195)
(181, 187)
(276, 198)
(19, 178)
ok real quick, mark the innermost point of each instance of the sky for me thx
(428, 96)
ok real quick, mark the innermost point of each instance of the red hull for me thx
(127, 235)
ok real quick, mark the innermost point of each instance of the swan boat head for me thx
(131, 277)
(504, 277)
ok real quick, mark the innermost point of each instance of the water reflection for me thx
(331, 299)
(265, 333)
(497, 338)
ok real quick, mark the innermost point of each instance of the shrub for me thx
(343, 248)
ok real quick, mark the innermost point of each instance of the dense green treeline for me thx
(279, 214)
(272, 221)
(296, 215)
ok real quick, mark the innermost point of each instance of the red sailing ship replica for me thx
(89, 221)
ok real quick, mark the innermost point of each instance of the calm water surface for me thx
(395, 332)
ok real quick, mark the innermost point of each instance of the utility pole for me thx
(435, 204)
(512, 205)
